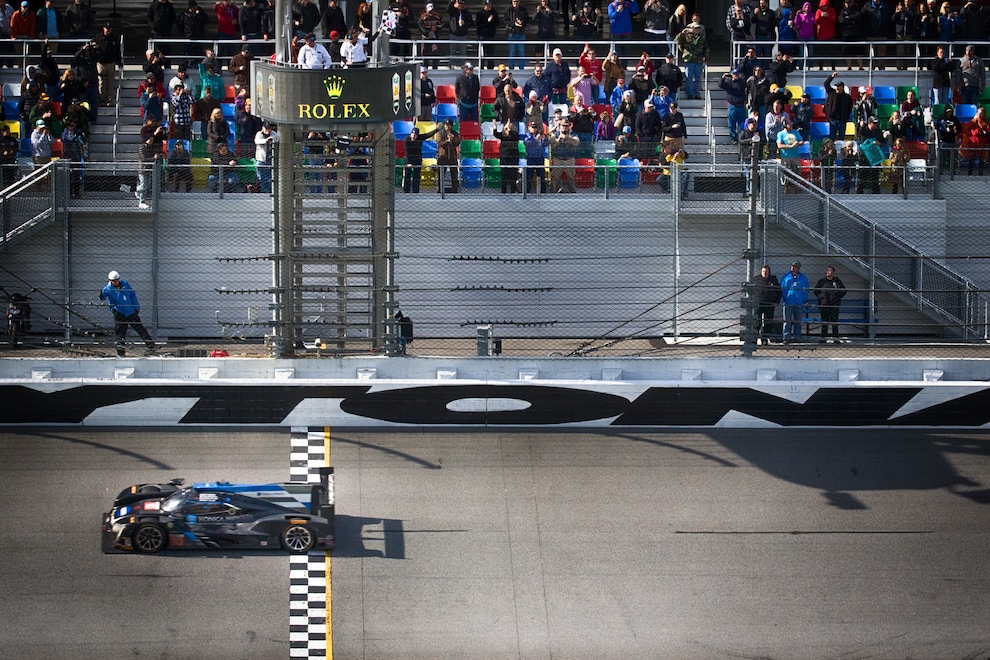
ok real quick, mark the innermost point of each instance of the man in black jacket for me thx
(768, 297)
(838, 106)
(467, 88)
(829, 291)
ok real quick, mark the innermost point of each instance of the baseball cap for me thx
(113, 275)
(422, 69)
(40, 122)
(840, 84)
(734, 72)
(862, 90)
(627, 129)
(468, 65)
(245, 48)
(669, 56)
(557, 51)
(648, 102)
(334, 35)
(796, 264)
(873, 119)
(502, 67)
(429, 6)
(641, 68)
(25, 4)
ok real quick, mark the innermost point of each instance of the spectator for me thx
(648, 127)
(641, 85)
(508, 157)
(192, 24)
(825, 31)
(333, 19)
(69, 88)
(78, 20)
(153, 102)
(620, 13)
(678, 21)
(975, 144)
(674, 127)
(203, 109)
(538, 83)
(8, 157)
(228, 28)
(851, 29)
(582, 83)
(23, 24)
(210, 79)
(694, 53)
(467, 88)
(613, 73)
(838, 106)
(764, 28)
(430, 24)
(249, 22)
(563, 150)
(973, 76)
(412, 172)
(509, 108)
(460, 22)
(767, 297)
(313, 55)
(775, 122)
(748, 63)
(73, 147)
(502, 79)
(876, 16)
(179, 176)
(161, 18)
(363, 20)
(948, 129)
(943, 69)
(264, 153)
(646, 62)
(904, 21)
(427, 94)
(148, 85)
(626, 113)
(44, 110)
(536, 144)
(757, 89)
(149, 154)
(403, 18)
(900, 156)
(913, 117)
(669, 75)
(802, 113)
(587, 21)
(223, 168)
(794, 293)
(487, 22)
(593, 67)
(108, 60)
(49, 21)
(829, 291)
(786, 32)
(447, 142)
(240, 67)
(558, 76)
(735, 93)
(778, 69)
(41, 144)
(582, 120)
(656, 16)
(306, 17)
(738, 20)
(866, 107)
(217, 130)
(516, 20)
(181, 76)
(804, 26)
(535, 111)
(123, 301)
(749, 143)
(618, 92)
(180, 105)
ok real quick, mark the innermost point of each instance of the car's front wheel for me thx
(298, 539)
(149, 538)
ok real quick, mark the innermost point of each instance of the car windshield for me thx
(175, 500)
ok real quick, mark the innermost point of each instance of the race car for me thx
(148, 518)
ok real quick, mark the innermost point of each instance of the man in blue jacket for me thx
(735, 96)
(125, 307)
(794, 293)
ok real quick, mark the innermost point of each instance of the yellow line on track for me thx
(329, 567)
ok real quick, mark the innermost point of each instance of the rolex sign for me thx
(313, 99)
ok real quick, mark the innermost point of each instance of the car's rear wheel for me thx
(149, 538)
(298, 539)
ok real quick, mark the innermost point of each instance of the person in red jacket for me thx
(23, 23)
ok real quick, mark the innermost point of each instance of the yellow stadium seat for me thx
(796, 91)
(200, 172)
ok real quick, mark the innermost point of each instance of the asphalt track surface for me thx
(519, 544)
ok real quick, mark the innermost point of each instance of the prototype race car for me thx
(148, 518)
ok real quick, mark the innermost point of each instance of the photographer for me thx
(41, 144)
(153, 135)
(264, 142)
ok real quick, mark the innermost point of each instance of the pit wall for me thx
(495, 392)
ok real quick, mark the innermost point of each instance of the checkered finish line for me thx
(310, 622)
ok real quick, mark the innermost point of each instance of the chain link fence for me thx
(606, 270)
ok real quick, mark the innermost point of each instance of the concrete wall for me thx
(495, 392)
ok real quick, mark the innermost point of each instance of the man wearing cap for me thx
(735, 96)
(240, 67)
(641, 85)
(587, 21)
(460, 22)
(829, 291)
(649, 126)
(427, 94)
(23, 24)
(535, 142)
(694, 53)
(467, 89)
(192, 23)
(264, 152)
(794, 293)
(669, 75)
(803, 112)
(313, 55)
(516, 19)
(564, 148)
(503, 78)
(41, 144)
(334, 48)
(430, 24)
(558, 76)
(838, 106)
(866, 107)
(487, 22)
(108, 59)
(447, 141)
(124, 306)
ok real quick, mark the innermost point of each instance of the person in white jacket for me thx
(264, 141)
(313, 55)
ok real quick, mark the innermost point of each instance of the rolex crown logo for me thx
(335, 86)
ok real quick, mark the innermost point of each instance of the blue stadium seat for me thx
(402, 129)
(965, 111)
(885, 94)
(228, 110)
(442, 111)
(815, 93)
(429, 149)
(819, 130)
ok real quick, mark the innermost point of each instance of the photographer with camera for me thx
(41, 144)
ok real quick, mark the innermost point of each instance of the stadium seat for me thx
(446, 94)
(426, 126)
(884, 110)
(15, 128)
(818, 112)
(796, 91)
(606, 172)
(885, 94)
(200, 172)
(185, 143)
(402, 129)
(443, 111)
(850, 130)
(400, 148)
(228, 110)
(488, 130)
(965, 111)
(470, 148)
(471, 172)
(819, 130)
(487, 112)
(487, 94)
(629, 174)
(918, 149)
(493, 173)
(489, 148)
(10, 108)
(584, 172)
(816, 93)
(470, 130)
(400, 165)
(428, 176)
(429, 149)
(231, 93)
(57, 149)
